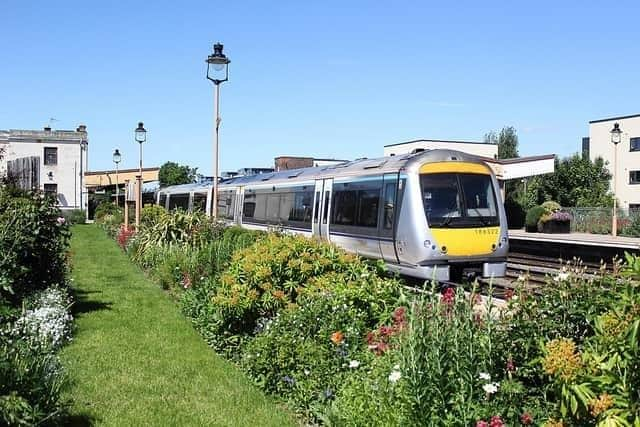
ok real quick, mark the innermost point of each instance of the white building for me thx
(482, 149)
(627, 168)
(52, 161)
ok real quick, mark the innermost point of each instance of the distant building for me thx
(483, 149)
(627, 172)
(49, 160)
(293, 162)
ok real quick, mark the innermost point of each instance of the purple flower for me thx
(561, 216)
(287, 379)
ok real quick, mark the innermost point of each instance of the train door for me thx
(387, 220)
(322, 208)
(238, 208)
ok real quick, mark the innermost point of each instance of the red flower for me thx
(482, 423)
(448, 295)
(526, 419)
(511, 367)
(371, 338)
(337, 338)
(496, 421)
(399, 316)
(386, 331)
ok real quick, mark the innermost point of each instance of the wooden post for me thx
(126, 204)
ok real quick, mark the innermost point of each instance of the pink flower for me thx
(511, 367)
(482, 423)
(526, 419)
(61, 220)
(508, 294)
(496, 421)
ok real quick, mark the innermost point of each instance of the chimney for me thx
(47, 128)
(81, 128)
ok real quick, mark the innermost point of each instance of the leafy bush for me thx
(74, 216)
(33, 243)
(106, 207)
(152, 214)
(533, 216)
(550, 207)
(305, 352)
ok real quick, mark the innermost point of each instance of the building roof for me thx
(615, 118)
(439, 140)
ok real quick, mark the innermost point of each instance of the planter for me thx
(556, 227)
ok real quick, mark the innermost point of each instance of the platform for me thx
(584, 239)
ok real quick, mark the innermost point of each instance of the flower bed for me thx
(34, 307)
(344, 345)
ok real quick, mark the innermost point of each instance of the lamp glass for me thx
(141, 133)
(116, 156)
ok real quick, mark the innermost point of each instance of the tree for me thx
(507, 141)
(576, 182)
(172, 173)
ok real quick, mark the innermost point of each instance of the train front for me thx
(466, 227)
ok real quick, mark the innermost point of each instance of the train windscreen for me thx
(459, 200)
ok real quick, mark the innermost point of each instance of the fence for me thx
(599, 221)
(25, 172)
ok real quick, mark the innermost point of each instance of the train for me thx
(432, 214)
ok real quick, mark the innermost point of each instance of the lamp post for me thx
(141, 136)
(83, 150)
(116, 159)
(616, 136)
(217, 72)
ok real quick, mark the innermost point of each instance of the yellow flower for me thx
(562, 359)
(601, 404)
(553, 423)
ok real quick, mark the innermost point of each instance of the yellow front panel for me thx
(461, 167)
(466, 241)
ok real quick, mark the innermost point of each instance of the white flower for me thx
(307, 372)
(490, 388)
(521, 278)
(396, 367)
(354, 364)
(394, 376)
(561, 277)
(485, 376)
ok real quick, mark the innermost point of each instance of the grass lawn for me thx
(135, 360)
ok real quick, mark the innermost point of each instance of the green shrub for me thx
(152, 214)
(33, 243)
(305, 352)
(74, 216)
(106, 207)
(550, 207)
(533, 216)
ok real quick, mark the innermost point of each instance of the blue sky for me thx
(334, 79)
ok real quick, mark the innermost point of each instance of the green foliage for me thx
(551, 207)
(172, 173)
(533, 217)
(507, 140)
(74, 216)
(152, 214)
(106, 207)
(33, 244)
(577, 181)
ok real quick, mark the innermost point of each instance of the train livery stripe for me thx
(467, 241)
(464, 167)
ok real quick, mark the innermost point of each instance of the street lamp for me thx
(83, 150)
(116, 159)
(616, 137)
(141, 136)
(217, 72)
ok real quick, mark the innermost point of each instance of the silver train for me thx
(427, 214)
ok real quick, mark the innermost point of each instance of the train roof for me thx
(356, 167)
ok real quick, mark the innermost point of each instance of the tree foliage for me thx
(507, 141)
(172, 173)
(577, 181)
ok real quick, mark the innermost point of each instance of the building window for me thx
(634, 206)
(634, 177)
(51, 190)
(50, 155)
(634, 144)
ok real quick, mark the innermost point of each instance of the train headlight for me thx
(427, 243)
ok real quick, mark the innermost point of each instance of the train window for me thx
(249, 206)
(300, 210)
(326, 207)
(478, 195)
(389, 204)
(162, 200)
(317, 208)
(226, 204)
(368, 208)
(179, 201)
(273, 208)
(344, 207)
(199, 202)
(440, 197)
